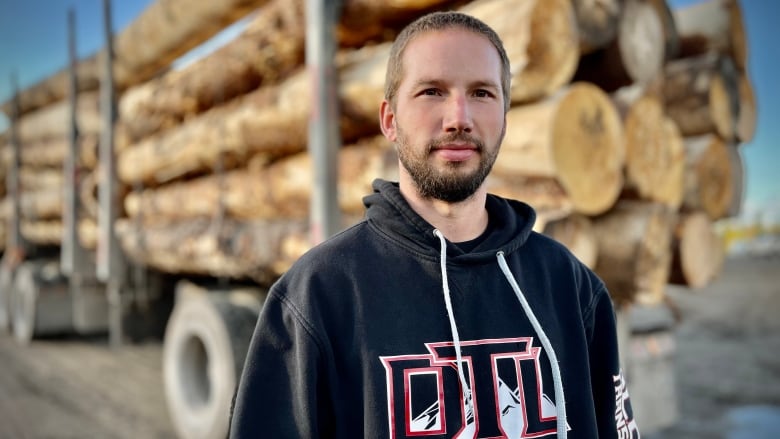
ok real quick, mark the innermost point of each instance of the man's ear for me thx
(387, 121)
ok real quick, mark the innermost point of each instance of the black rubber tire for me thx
(205, 345)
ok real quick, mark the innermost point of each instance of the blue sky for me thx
(33, 44)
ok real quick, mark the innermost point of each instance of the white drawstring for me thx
(453, 327)
(560, 402)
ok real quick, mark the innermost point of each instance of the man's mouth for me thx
(455, 152)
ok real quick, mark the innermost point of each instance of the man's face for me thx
(448, 121)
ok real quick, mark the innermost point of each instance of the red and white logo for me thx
(507, 386)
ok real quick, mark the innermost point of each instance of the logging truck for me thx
(142, 196)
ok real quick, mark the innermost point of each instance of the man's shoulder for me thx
(333, 252)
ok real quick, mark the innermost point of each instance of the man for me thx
(442, 314)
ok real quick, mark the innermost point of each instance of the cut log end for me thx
(709, 185)
(698, 253)
(588, 148)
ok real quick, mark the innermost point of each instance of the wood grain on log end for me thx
(698, 252)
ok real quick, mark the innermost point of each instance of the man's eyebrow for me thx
(438, 83)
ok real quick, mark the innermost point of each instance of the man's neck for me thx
(458, 222)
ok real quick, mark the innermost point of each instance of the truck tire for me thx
(205, 345)
(40, 301)
(6, 284)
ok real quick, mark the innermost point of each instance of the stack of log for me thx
(623, 133)
(166, 30)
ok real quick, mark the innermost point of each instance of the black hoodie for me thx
(360, 338)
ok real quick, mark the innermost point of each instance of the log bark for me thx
(88, 233)
(634, 251)
(52, 122)
(42, 204)
(32, 179)
(746, 121)
(698, 252)
(51, 152)
(268, 120)
(542, 52)
(164, 31)
(270, 48)
(636, 55)
(540, 37)
(281, 190)
(708, 176)
(597, 22)
(42, 232)
(260, 250)
(701, 95)
(56, 87)
(364, 21)
(574, 137)
(577, 234)
(712, 26)
(655, 155)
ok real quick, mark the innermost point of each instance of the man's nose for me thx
(458, 115)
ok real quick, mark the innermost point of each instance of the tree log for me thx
(281, 190)
(634, 251)
(577, 234)
(42, 204)
(697, 252)
(597, 22)
(364, 21)
(655, 155)
(708, 176)
(540, 37)
(164, 31)
(88, 233)
(574, 137)
(702, 95)
(270, 48)
(32, 179)
(636, 55)
(42, 232)
(51, 152)
(545, 195)
(746, 122)
(712, 26)
(260, 250)
(267, 120)
(52, 122)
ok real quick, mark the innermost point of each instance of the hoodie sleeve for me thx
(613, 407)
(278, 395)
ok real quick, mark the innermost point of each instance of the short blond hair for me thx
(438, 21)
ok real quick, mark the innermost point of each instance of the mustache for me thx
(459, 137)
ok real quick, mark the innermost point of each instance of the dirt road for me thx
(728, 354)
(727, 365)
(77, 388)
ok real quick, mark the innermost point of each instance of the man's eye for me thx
(482, 94)
(430, 92)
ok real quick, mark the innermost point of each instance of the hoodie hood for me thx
(511, 224)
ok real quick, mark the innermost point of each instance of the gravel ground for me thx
(727, 371)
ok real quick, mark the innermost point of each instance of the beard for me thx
(451, 184)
